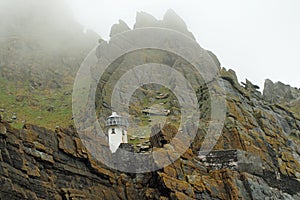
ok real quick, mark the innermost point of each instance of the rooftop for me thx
(116, 120)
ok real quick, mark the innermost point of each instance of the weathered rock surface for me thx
(282, 94)
(276, 92)
(162, 135)
(170, 20)
(256, 157)
(40, 164)
(118, 28)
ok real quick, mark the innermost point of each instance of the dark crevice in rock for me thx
(247, 186)
(282, 182)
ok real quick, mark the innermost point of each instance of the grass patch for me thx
(43, 107)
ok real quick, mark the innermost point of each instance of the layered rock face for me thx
(143, 20)
(40, 164)
(277, 92)
(283, 94)
(256, 157)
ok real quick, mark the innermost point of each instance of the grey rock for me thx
(232, 159)
(250, 86)
(215, 58)
(173, 21)
(20, 98)
(50, 109)
(259, 189)
(144, 19)
(2, 129)
(277, 92)
(118, 28)
(170, 20)
(67, 93)
(162, 96)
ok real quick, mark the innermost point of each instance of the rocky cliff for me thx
(281, 93)
(256, 157)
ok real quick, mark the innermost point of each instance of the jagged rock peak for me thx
(170, 20)
(250, 85)
(173, 21)
(276, 92)
(144, 19)
(119, 28)
(171, 15)
(214, 58)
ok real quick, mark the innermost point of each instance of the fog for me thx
(258, 39)
(41, 40)
(29, 16)
(48, 23)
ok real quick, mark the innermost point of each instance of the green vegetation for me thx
(44, 107)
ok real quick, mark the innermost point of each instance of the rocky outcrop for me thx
(278, 92)
(262, 138)
(284, 95)
(144, 19)
(232, 159)
(36, 163)
(256, 157)
(118, 28)
(40, 164)
(162, 135)
(173, 21)
(170, 20)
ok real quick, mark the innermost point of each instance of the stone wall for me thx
(239, 160)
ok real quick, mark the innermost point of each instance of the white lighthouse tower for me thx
(116, 127)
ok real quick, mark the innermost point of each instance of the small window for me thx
(113, 131)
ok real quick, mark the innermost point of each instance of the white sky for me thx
(258, 39)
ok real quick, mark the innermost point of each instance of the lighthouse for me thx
(116, 127)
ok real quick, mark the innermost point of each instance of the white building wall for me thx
(115, 139)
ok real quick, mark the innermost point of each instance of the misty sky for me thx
(259, 39)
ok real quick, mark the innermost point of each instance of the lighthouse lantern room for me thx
(116, 127)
